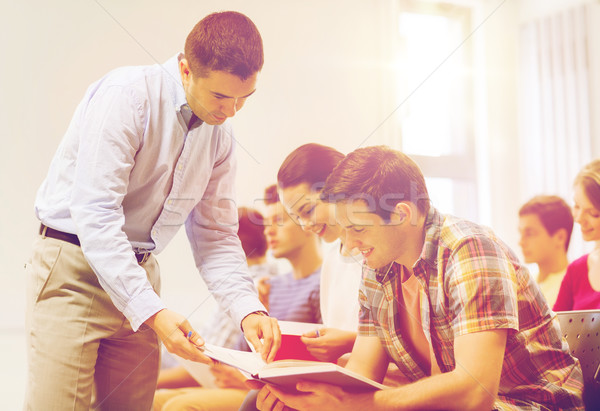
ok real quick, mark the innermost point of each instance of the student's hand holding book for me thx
(328, 344)
(308, 395)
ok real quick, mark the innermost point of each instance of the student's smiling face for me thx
(217, 96)
(304, 205)
(586, 215)
(378, 242)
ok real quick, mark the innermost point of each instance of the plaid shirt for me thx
(470, 282)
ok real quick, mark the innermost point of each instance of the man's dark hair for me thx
(225, 41)
(251, 232)
(271, 196)
(381, 177)
(553, 212)
(310, 163)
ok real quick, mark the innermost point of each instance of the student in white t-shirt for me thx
(299, 181)
(545, 226)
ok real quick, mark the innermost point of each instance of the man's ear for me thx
(184, 69)
(561, 236)
(401, 213)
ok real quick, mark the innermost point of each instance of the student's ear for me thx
(401, 213)
(561, 236)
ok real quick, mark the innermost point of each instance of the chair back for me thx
(581, 329)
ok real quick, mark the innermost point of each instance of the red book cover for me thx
(292, 347)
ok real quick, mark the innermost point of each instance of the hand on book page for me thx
(292, 348)
(263, 334)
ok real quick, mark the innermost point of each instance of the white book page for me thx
(250, 362)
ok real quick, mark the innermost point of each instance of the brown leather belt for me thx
(46, 231)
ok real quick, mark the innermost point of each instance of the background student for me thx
(147, 151)
(545, 226)
(293, 296)
(443, 298)
(580, 288)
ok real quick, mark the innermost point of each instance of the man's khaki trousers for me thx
(82, 352)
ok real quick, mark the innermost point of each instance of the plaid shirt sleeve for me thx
(482, 287)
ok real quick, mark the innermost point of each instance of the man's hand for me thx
(259, 327)
(330, 343)
(173, 329)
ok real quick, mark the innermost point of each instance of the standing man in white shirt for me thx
(147, 151)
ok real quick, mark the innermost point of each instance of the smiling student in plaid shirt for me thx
(443, 298)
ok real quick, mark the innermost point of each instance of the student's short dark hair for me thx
(251, 232)
(589, 178)
(554, 213)
(224, 41)
(380, 176)
(271, 195)
(310, 163)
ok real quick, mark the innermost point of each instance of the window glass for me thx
(441, 194)
(431, 84)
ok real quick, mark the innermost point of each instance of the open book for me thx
(287, 373)
(291, 348)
